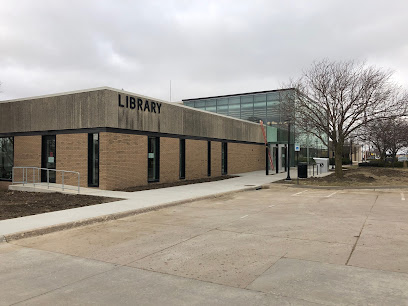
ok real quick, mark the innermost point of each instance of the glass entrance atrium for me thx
(265, 106)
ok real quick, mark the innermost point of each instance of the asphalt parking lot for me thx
(271, 246)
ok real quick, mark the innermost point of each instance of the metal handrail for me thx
(36, 175)
(318, 166)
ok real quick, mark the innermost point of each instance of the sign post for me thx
(297, 149)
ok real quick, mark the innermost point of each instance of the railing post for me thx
(33, 177)
(62, 180)
(48, 178)
(12, 175)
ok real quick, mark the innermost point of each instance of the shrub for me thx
(379, 163)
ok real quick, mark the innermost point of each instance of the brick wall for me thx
(27, 153)
(215, 158)
(196, 159)
(245, 158)
(122, 160)
(72, 155)
(169, 159)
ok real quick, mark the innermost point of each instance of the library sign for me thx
(139, 105)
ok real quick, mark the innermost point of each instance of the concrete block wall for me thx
(245, 158)
(72, 155)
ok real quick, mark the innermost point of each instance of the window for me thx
(6, 157)
(209, 158)
(247, 108)
(182, 158)
(224, 158)
(153, 159)
(93, 160)
(234, 109)
(48, 158)
(222, 106)
(211, 105)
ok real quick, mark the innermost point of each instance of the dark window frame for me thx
(182, 159)
(13, 157)
(52, 179)
(156, 160)
(90, 160)
(224, 158)
(209, 158)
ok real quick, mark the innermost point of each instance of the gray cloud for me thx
(205, 47)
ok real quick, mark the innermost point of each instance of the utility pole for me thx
(170, 90)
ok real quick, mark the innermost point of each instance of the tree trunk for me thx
(339, 159)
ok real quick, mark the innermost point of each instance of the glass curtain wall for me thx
(6, 157)
(262, 106)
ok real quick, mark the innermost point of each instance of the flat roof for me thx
(241, 94)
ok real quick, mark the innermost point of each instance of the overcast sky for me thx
(205, 48)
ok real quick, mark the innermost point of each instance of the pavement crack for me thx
(359, 235)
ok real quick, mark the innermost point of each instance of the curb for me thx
(74, 224)
(341, 187)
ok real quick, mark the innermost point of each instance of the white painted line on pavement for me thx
(244, 216)
(402, 196)
(332, 194)
(271, 206)
(298, 193)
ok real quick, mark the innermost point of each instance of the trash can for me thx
(302, 170)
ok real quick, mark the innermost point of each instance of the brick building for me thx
(117, 139)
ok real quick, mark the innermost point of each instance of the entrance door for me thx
(48, 158)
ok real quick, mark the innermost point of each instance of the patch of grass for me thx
(360, 177)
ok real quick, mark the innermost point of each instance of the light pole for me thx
(288, 153)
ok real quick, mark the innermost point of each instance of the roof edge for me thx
(240, 94)
(81, 91)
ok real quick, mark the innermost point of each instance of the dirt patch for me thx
(14, 204)
(360, 177)
(178, 183)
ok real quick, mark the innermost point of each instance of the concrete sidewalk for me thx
(132, 203)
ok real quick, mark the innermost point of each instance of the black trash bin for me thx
(302, 170)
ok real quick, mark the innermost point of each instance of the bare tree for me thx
(398, 136)
(388, 135)
(377, 133)
(336, 98)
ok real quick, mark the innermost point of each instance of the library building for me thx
(112, 139)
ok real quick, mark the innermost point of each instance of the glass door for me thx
(48, 158)
(153, 159)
